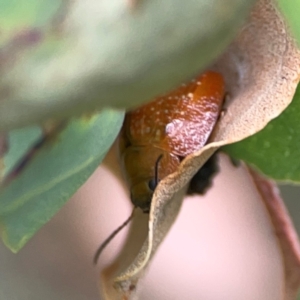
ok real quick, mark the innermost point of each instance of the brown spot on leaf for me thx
(3, 149)
(50, 135)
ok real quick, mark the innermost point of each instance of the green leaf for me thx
(54, 175)
(276, 149)
(291, 10)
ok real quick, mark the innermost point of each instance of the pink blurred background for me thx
(221, 247)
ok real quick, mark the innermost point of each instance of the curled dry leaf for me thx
(261, 69)
(285, 232)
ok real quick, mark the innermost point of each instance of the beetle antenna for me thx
(111, 236)
(156, 169)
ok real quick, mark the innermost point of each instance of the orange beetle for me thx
(156, 137)
(160, 134)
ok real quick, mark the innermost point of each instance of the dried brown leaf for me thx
(261, 69)
(139, 250)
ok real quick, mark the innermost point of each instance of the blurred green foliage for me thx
(56, 171)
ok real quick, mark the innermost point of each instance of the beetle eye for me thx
(152, 184)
